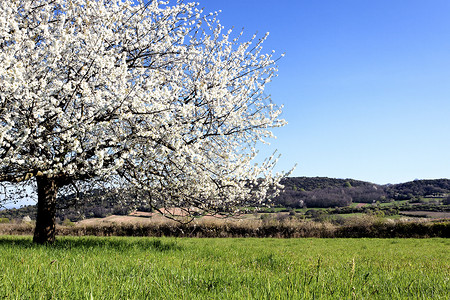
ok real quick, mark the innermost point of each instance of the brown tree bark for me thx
(45, 230)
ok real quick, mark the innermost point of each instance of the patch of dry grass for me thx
(277, 227)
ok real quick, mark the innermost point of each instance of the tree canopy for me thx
(145, 93)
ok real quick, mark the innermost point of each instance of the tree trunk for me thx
(46, 208)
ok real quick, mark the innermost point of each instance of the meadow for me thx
(238, 268)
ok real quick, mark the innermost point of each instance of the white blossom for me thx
(158, 95)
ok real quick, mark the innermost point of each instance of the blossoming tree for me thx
(148, 93)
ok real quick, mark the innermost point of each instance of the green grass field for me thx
(169, 268)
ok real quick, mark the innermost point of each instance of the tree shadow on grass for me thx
(16, 241)
(120, 244)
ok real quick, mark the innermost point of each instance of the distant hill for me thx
(299, 192)
(420, 188)
(425, 187)
(332, 192)
(313, 183)
(94, 204)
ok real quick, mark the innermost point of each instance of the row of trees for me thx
(332, 192)
(330, 197)
(338, 193)
(419, 188)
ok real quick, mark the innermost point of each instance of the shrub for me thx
(446, 201)
(67, 222)
(122, 211)
(99, 212)
(26, 219)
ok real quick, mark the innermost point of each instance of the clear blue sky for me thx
(365, 84)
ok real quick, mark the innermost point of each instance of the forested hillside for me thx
(96, 204)
(419, 188)
(331, 192)
(299, 192)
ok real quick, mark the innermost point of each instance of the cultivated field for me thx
(183, 268)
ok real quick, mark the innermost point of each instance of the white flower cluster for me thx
(155, 93)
